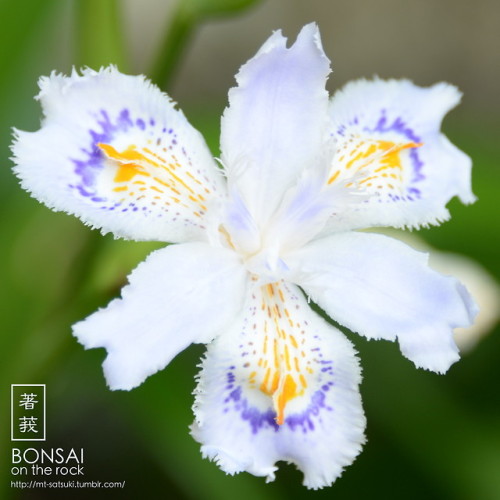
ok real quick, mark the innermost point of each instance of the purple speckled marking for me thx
(399, 126)
(414, 191)
(258, 419)
(255, 417)
(89, 168)
(418, 164)
(304, 420)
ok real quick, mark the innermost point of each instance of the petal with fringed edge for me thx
(280, 384)
(114, 151)
(383, 289)
(389, 149)
(277, 120)
(179, 295)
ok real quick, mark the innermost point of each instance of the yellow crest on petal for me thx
(374, 165)
(280, 365)
(143, 172)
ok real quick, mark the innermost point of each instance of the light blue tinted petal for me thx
(383, 289)
(276, 121)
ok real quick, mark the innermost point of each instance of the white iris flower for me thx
(277, 225)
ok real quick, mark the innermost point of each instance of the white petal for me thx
(478, 281)
(181, 294)
(281, 384)
(114, 151)
(276, 121)
(483, 288)
(381, 288)
(389, 148)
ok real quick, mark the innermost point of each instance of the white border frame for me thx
(12, 412)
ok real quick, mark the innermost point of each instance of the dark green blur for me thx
(429, 436)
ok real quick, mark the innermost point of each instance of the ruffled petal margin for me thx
(277, 120)
(280, 384)
(114, 151)
(179, 295)
(383, 289)
(389, 149)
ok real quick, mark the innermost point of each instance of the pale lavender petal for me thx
(277, 119)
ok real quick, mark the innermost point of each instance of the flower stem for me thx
(99, 40)
(179, 31)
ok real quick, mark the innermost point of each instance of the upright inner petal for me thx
(276, 120)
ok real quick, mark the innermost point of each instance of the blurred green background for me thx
(429, 436)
